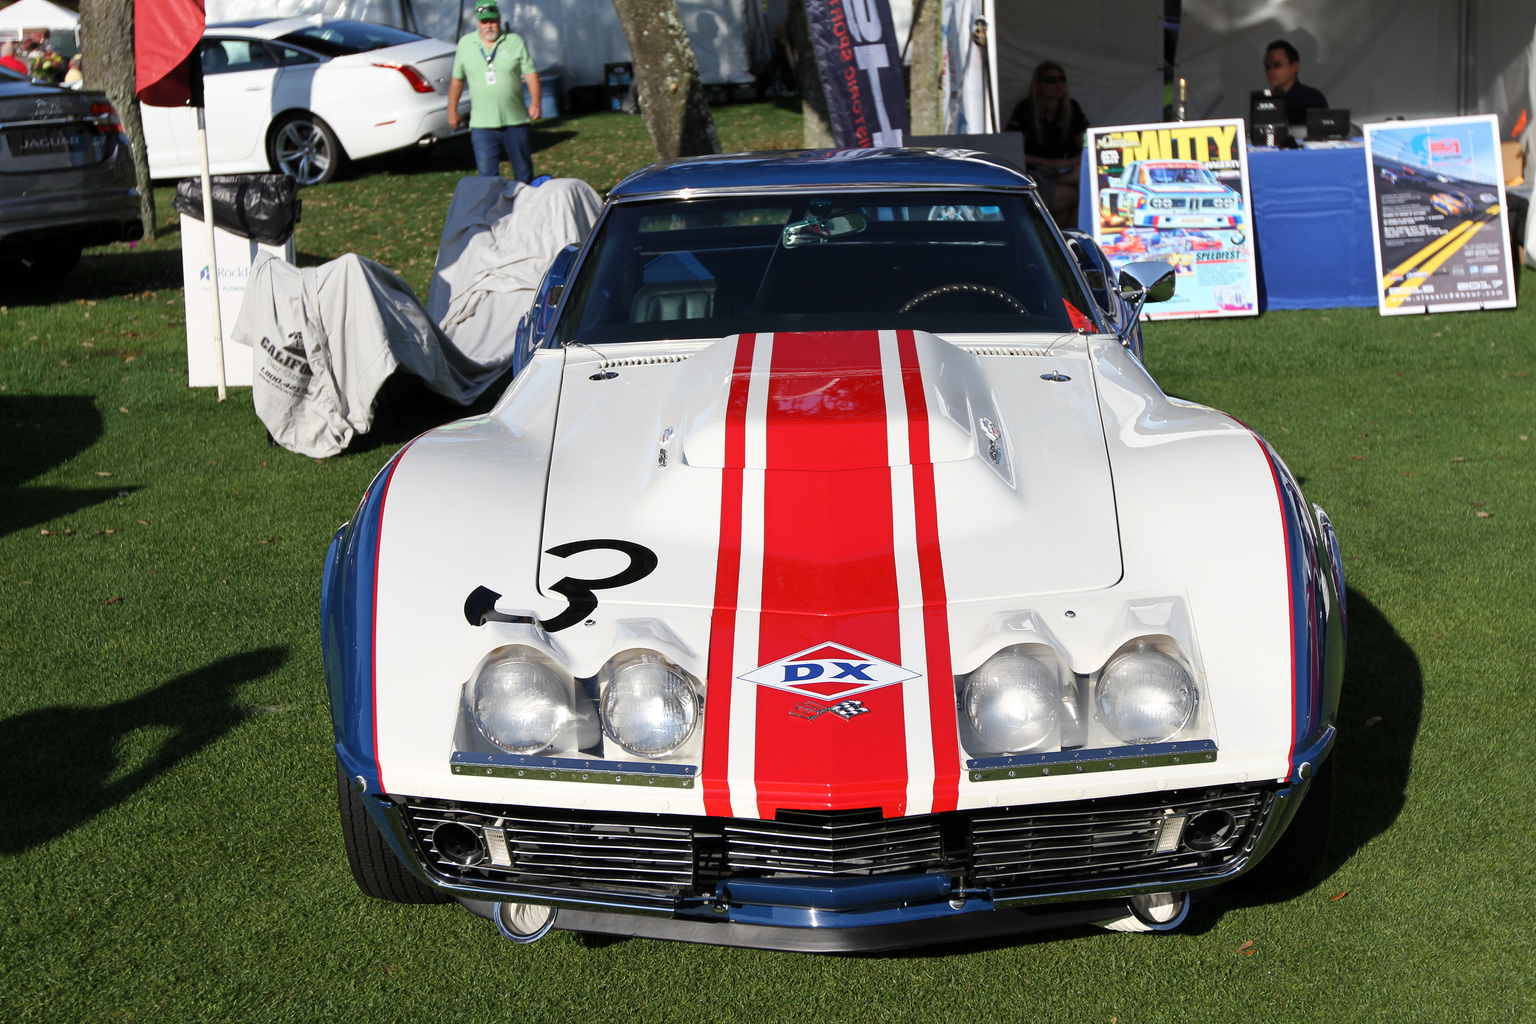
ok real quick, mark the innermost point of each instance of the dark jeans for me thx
(491, 144)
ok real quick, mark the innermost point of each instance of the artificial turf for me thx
(170, 851)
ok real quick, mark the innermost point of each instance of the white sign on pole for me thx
(234, 256)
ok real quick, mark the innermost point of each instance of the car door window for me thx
(225, 56)
(288, 56)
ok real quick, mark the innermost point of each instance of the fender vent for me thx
(998, 350)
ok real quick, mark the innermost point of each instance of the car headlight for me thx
(1161, 204)
(650, 707)
(1144, 696)
(519, 701)
(1013, 701)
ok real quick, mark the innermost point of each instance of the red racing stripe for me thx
(829, 574)
(941, 692)
(722, 632)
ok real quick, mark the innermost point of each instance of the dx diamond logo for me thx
(829, 672)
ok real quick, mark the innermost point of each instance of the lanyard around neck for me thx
(492, 55)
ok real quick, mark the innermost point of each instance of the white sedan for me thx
(304, 95)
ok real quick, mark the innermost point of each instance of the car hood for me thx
(826, 431)
(827, 499)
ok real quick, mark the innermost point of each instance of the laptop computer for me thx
(1327, 123)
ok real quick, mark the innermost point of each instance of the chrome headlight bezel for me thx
(520, 700)
(1169, 693)
(641, 682)
(1014, 701)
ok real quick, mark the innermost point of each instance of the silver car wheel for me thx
(305, 148)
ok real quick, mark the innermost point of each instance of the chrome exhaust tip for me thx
(523, 922)
(1151, 912)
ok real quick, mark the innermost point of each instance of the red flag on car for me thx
(166, 34)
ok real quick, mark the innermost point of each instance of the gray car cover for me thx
(324, 339)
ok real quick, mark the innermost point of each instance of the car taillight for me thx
(418, 82)
(107, 121)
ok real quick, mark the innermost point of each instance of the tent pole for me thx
(213, 261)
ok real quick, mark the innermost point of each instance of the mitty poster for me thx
(1179, 193)
(1437, 189)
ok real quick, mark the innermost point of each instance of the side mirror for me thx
(1150, 281)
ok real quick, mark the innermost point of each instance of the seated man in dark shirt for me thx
(1281, 63)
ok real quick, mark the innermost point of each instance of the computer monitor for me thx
(1266, 119)
(1325, 123)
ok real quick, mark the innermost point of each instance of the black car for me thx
(66, 176)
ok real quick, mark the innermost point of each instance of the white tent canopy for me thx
(1377, 58)
(33, 14)
(574, 37)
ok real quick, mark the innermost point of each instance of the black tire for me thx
(52, 261)
(1297, 859)
(302, 145)
(375, 867)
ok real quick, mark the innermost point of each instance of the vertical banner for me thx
(1178, 192)
(859, 58)
(1437, 193)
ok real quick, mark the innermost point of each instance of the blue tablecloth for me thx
(1312, 221)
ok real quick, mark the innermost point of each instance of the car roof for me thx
(824, 168)
(272, 28)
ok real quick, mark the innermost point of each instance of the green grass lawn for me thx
(170, 849)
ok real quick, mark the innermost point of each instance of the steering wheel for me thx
(963, 286)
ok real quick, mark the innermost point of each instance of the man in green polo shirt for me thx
(496, 65)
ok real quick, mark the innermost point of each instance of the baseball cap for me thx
(486, 10)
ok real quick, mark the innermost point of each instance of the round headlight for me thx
(649, 707)
(519, 702)
(1145, 696)
(1013, 701)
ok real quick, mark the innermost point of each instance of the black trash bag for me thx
(260, 206)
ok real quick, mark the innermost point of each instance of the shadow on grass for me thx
(102, 274)
(1379, 712)
(61, 765)
(41, 432)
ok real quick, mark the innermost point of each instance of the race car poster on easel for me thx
(1179, 193)
(1437, 191)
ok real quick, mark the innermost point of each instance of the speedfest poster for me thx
(1179, 193)
(1437, 191)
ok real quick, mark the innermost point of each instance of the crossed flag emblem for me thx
(847, 710)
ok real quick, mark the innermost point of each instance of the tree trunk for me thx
(813, 101)
(106, 27)
(667, 79)
(926, 105)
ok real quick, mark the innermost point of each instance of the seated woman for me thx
(1053, 126)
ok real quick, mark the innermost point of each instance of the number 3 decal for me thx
(479, 609)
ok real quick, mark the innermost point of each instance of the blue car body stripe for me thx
(1308, 613)
(348, 597)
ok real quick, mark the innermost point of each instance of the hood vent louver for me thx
(1010, 350)
(642, 361)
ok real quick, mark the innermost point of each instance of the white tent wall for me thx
(574, 37)
(1378, 58)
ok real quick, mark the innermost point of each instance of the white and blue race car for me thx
(833, 576)
(1170, 194)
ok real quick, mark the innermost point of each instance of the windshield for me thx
(1176, 176)
(931, 261)
(338, 38)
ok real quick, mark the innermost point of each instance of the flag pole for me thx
(208, 229)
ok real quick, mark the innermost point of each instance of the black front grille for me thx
(653, 860)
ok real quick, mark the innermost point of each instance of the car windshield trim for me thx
(936, 260)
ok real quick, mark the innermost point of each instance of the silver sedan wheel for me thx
(305, 148)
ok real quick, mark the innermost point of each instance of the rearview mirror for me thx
(819, 228)
(1149, 281)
